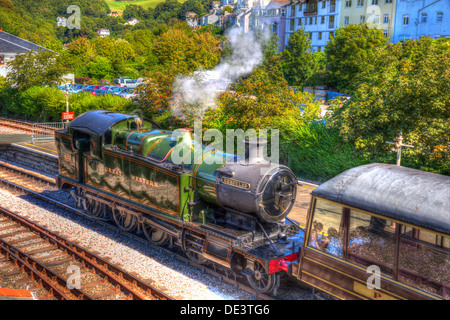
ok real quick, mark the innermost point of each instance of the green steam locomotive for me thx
(217, 207)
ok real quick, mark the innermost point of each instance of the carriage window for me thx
(425, 266)
(371, 241)
(327, 229)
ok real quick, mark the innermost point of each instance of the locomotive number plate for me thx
(236, 183)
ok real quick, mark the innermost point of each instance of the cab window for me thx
(327, 231)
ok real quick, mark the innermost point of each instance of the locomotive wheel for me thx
(194, 256)
(125, 221)
(260, 280)
(154, 236)
(98, 209)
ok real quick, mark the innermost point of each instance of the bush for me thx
(41, 104)
(44, 104)
(316, 152)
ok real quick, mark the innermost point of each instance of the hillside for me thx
(36, 20)
(119, 6)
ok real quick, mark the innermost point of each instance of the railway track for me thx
(25, 126)
(31, 183)
(36, 185)
(120, 281)
(51, 258)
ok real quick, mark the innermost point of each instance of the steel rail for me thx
(102, 266)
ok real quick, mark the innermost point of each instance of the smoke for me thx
(194, 95)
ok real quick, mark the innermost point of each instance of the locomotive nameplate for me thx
(236, 183)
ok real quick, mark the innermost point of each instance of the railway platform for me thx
(25, 141)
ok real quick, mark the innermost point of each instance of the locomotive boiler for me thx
(217, 207)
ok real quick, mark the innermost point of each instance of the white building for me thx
(319, 18)
(131, 21)
(418, 18)
(211, 18)
(11, 46)
(271, 16)
(102, 32)
(61, 21)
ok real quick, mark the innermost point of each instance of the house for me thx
(192, 21)
(61, 21)
(11, 46)
(102, 32)
(271, 16)
(377, 13)
(212, 18)
(318, 18)
(415, 19)
(113, 14)
(131, 21)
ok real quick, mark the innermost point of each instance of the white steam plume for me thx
(193, 95)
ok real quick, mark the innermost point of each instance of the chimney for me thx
(254, 150)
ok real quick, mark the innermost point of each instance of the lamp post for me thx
(67, 101)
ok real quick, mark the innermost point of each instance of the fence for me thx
(46, 131)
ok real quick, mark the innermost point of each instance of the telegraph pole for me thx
(398, 146)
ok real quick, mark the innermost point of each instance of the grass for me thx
(119, 6)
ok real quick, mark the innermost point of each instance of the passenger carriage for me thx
(379, 231)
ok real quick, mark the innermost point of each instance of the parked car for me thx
(77, 88)
(92, 87)
(128, 93)
(118, 90)
(127, 82)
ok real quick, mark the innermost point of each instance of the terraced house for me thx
(418, 18)
(319, 18)
(376, 13)
(398, 19)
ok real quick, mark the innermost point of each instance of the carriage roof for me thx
(412, 196)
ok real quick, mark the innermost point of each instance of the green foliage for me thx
(406, 88)
(316, 152)
(349, 52)
(35, 68)
(299, 63)
(99, 68)
(191, 5)
(44, 104)
(261, 102)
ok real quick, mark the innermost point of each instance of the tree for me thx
(406, 88)
(260, 101)
(99, 68)
(35, 68)
(191, 5)
(349, 52)
(298, 61)
(177, 52)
